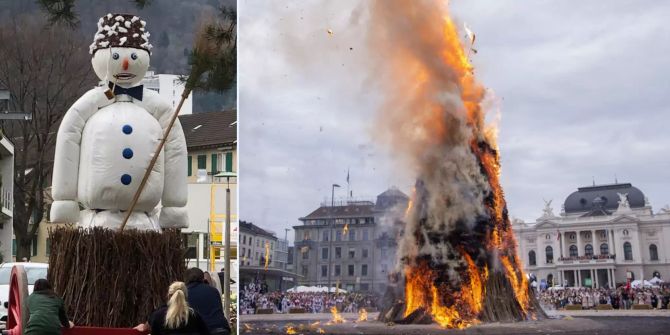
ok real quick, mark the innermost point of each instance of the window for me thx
(338, 252)
(202, 162)
(324, 270)
(627, 251)
(244, 239)
(337, 270)
(325, 236)
(604, 249)
(306, 235)
(189, 165)
(304, 270)
(305, 254)
(365, 253)
(573, 251)
(352, 253)
(215, 165)
(229, 162)
(14, 247)
(324, 253)
(365, 235)
(383, 252)
(588, 250)
(549, 254)
(364, 270)
(338, 235)
(350, 269)
(653, 252)
(531, 258)
(352, 235)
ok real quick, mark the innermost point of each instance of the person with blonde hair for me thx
(177, 317)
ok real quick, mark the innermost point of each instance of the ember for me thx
(362, 315)
(457, 251)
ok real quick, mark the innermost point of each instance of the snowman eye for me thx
(133, 56)
(115, 55)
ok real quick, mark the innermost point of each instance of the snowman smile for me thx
(124, 76)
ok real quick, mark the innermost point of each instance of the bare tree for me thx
(45, 68)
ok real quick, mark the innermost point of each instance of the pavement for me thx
(561, 322)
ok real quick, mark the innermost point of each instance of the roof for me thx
(601, 199)
(248, 227)
(390, 198)
(210, 130)
(354, 209)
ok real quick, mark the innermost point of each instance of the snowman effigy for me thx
(120, 162)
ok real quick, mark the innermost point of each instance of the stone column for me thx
(580, 244)
(593, 242)
(560, 244)
(610, 241)
(578, 278)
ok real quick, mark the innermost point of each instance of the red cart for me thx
(17, 312)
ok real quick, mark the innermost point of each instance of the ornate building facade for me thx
(604, 235)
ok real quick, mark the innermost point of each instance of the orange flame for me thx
(337, 318)
(267, 254)
(290, 330)
(362, 315)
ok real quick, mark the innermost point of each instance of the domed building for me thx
(603, 236)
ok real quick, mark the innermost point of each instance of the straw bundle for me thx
(113, 278)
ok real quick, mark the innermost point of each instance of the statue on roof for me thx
(624, 206)
(548, 211)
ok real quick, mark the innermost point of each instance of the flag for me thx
(347, 176)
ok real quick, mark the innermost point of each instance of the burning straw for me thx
(96, 272)
(457, 251)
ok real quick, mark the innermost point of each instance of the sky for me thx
(581, 91)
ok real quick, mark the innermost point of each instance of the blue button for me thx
(126, 179)
(127, 129)
(127, 153)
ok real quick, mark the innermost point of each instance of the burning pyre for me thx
(457, 252)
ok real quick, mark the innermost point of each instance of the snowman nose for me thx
(125, 64)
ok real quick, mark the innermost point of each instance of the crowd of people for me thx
(622, 297)
(193, 307)
(254, 297)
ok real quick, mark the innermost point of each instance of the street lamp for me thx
(330, 233)
(226, 245)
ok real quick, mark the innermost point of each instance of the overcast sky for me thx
(583, 89)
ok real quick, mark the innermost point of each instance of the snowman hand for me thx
(64, 211)
(173, 217)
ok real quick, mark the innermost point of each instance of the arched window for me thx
(588, 250)
(573, 251)
(627, 251)
(531, 258)
(653, 252)
(550, 280)
(604, 249)
(549, 254)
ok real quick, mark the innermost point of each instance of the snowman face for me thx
(124, 66)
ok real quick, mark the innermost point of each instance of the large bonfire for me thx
(457, 252)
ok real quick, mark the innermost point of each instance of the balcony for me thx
(595, 259)
(305, 243)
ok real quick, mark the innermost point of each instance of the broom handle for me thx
(184, 95)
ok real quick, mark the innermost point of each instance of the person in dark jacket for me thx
(206, 300)
(177, 317)
(46, 310)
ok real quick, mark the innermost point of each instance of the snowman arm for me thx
(173, 213)
(66, 159)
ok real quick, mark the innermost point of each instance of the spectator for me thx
(176, 317)
(47, 311)
(206, 300)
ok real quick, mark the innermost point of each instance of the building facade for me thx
(6, 199)
(350, 244)
(170, 87)
(604, 236)
(263, 258)
(211, 138)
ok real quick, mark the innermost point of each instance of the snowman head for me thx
(121, 49)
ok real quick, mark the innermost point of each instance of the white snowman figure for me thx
(106, 141)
